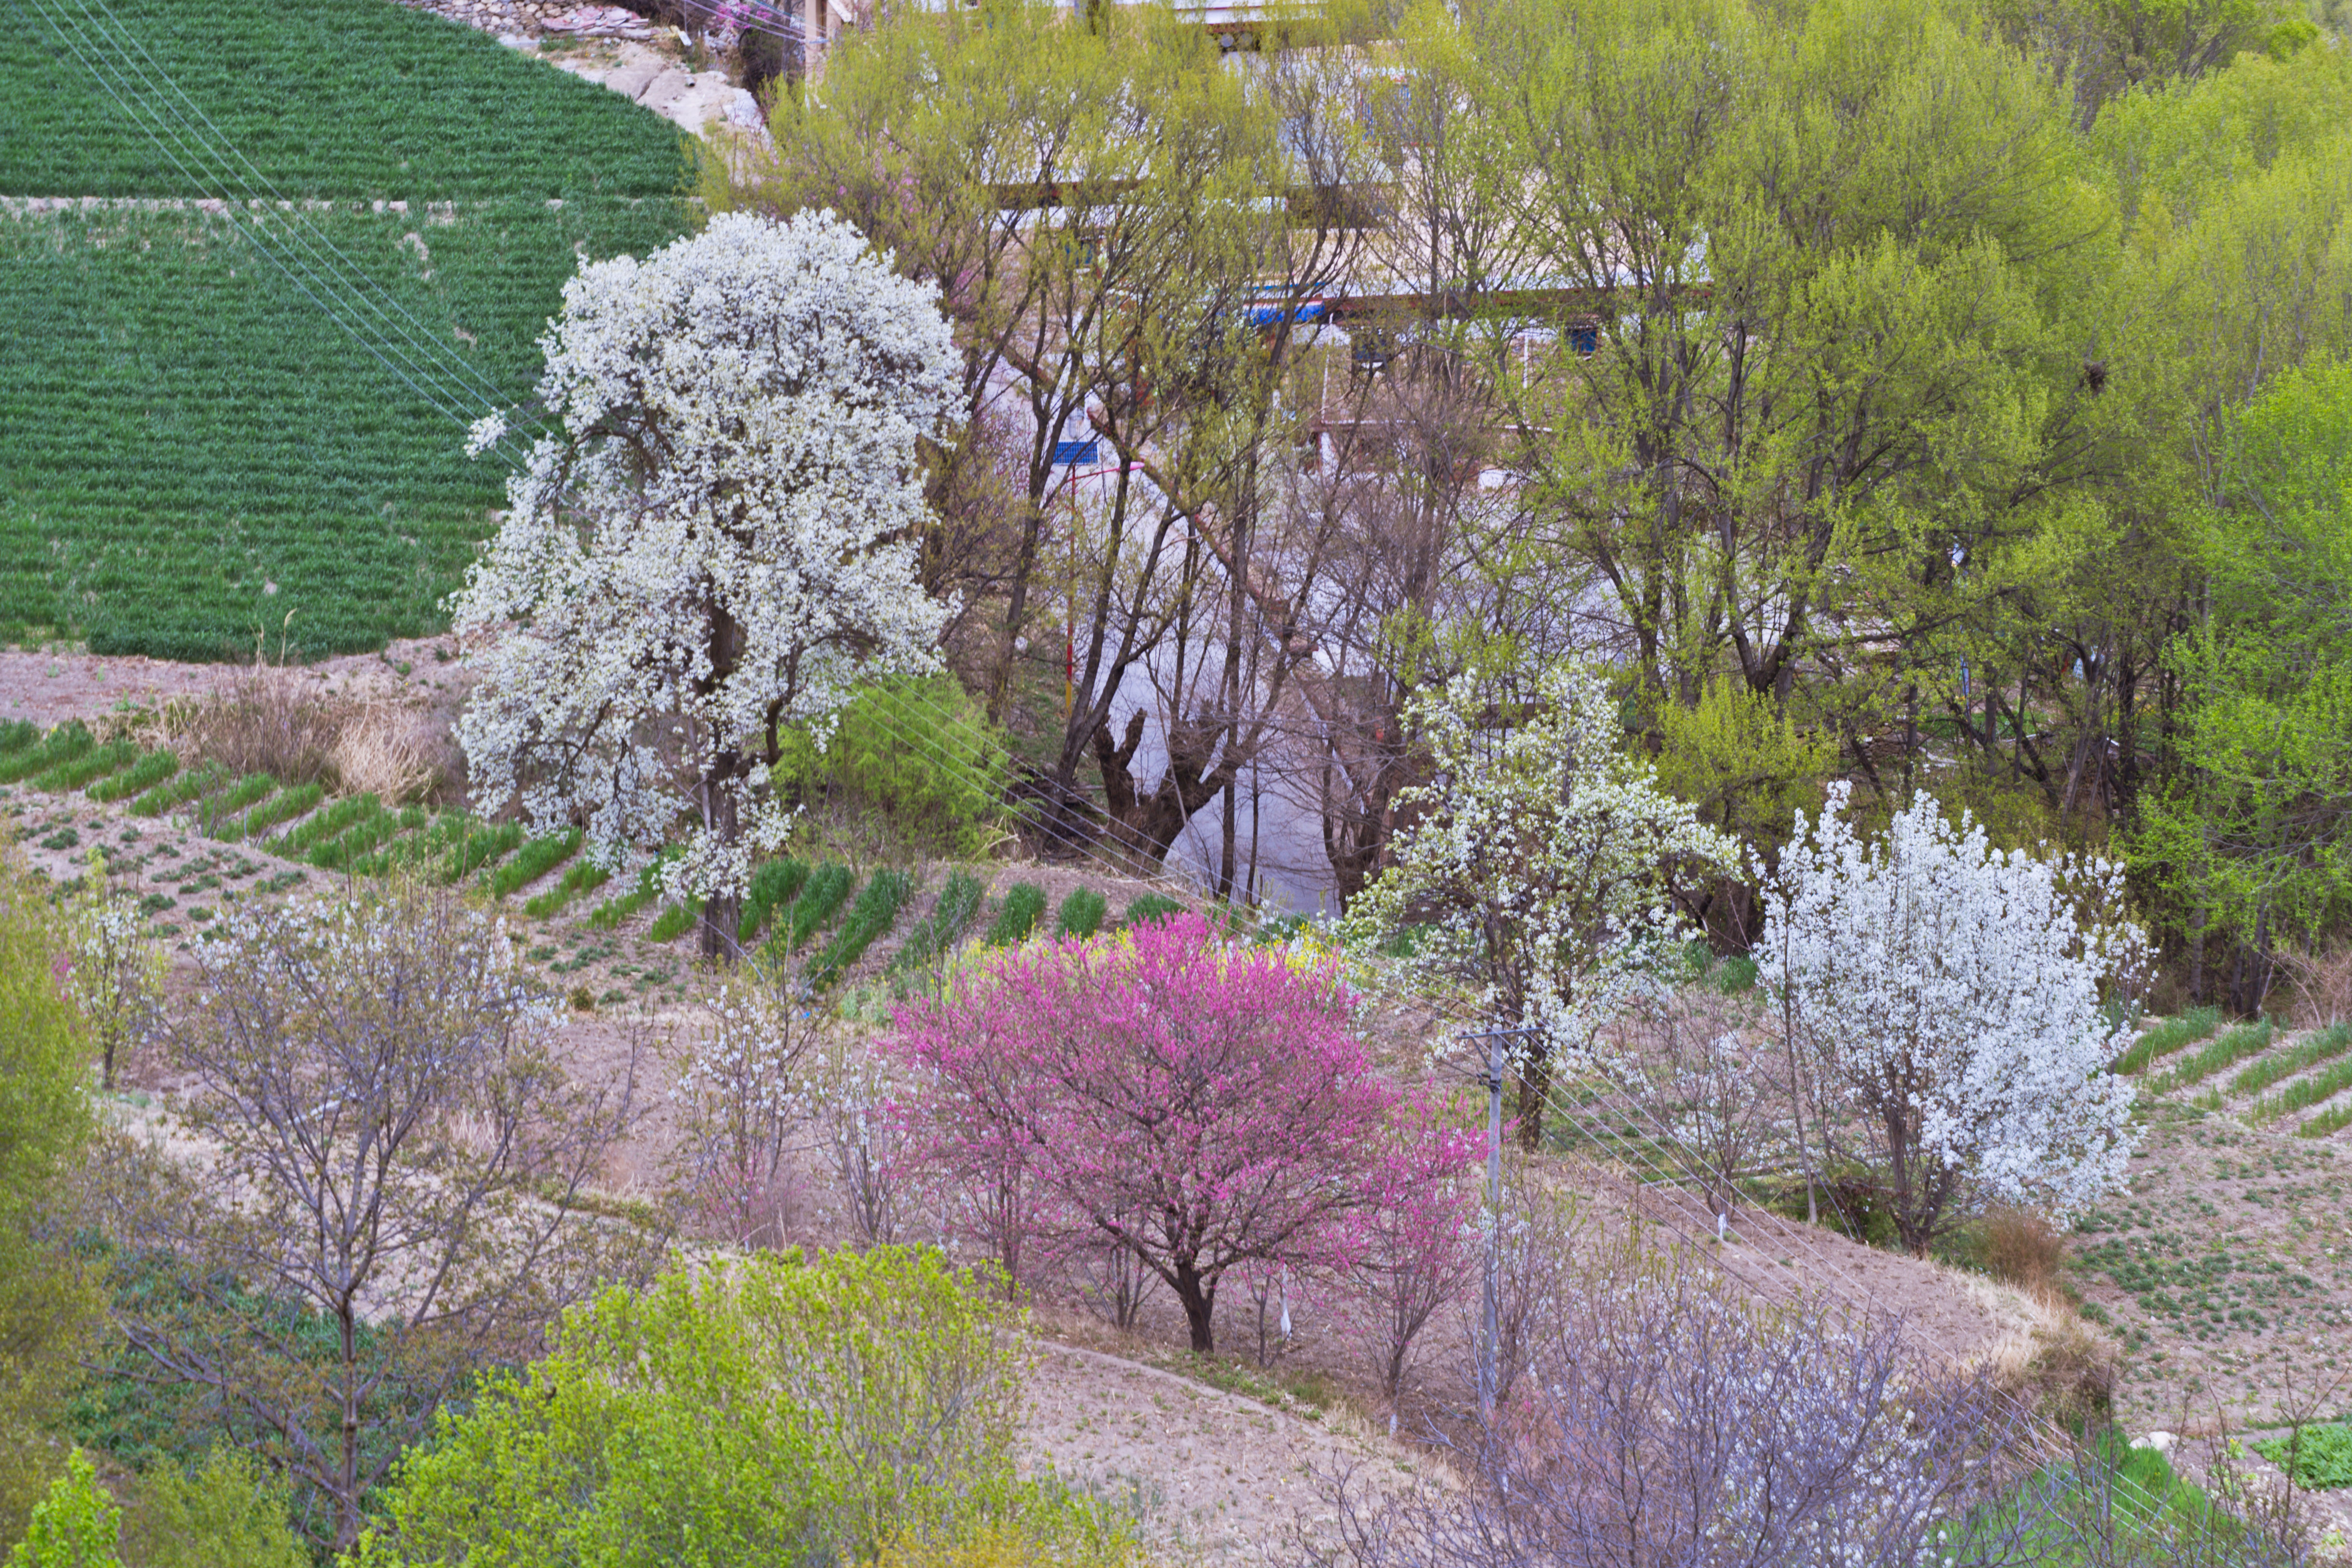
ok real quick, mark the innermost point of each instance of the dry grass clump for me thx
(280, 721)
(2047, 1356)
(2023, 1249)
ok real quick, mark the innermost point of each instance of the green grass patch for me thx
(474, 845)
(2231, 1048)
(295, 842)
(533, 860)
(875, 912)
(2161, 1040)
(675, 920)
(16, 735)
(282, 807)
(1081, 914)
(937, 932)
(92, 765)
(827, 890)
(193, 784)
(328, 98)
(222, 815)
(1016, 915)
(190, 447)
(2326, 1122)
(369, 831)
(580, 877)
(140, 776)
(774, 885)
(2302, 1095)
(2324, 1045)
(68, 743)
(2319, 1458)
(612, 911)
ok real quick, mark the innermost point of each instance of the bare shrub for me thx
(2023, 1249)
(847, 1092)
(2319, 980)
(1534, 1237)
(377, 1184)
(269, 720)
(1697, 1075)
(1667, 1420)
(733, 1091)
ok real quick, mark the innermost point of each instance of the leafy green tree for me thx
(765, 1410)
(2252, 840)
(47, 1310)
(1843, 275)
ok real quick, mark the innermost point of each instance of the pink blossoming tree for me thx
(1202, 1105)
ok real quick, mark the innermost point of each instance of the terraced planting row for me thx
(823, 916)
(2255, 1070)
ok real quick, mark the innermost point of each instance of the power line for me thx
(230, 156)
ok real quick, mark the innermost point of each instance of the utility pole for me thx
(1496, 1041)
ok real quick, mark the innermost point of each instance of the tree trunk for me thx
(1199, 1297)
(1534, 1089)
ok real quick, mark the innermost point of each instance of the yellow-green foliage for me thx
(919, 754)
(1053, 1537)
(230, 1511)
(46, 1308)
(76, 1526)
(1748, 768)
(767, 1410)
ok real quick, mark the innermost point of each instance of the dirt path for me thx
(1216, 1478)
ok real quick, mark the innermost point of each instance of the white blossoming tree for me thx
(718, 545)
(1532, 869)
(1944, 998)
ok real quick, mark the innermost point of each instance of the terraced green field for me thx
(327, 97)
(192, 449)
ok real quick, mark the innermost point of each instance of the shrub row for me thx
(774, 885)
(2234, 1046)
(533, 860)
(2324, 1046)
(143, 775)
(1017, 916)
(874, 913)
(939, 932)
(2163, 1039)
(580, 877)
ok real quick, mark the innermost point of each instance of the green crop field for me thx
(191, 447)
(327, 97)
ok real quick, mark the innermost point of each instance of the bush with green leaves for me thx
(936, 934)
(918, 755)
(1148, 907)
(827, 890)
(76, 1526)
(46, 1309)
(774, 885)
(2320, 1457)
(764, 1410)
(1081, 914)
(227, 1510)
(1017, 916)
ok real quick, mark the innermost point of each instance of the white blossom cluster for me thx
(1532, 868)
(721, 542)
(1961, 984)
